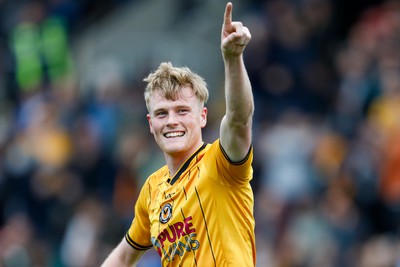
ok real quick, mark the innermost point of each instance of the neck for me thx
(176, 160)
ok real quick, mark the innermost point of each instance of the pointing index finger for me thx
(228, 14)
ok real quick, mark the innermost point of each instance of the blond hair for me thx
(168, 81)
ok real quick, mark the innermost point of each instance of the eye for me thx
(183, 110)
(161, 113)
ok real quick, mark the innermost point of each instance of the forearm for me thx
(113, 260)
(123, 256)
(235, 132)
(238, 92)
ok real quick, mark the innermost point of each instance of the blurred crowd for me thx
(326, 137)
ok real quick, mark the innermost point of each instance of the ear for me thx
(203, 115)
(150, 124)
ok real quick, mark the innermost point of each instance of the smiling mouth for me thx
(174, 134)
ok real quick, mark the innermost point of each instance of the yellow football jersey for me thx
(203, 216)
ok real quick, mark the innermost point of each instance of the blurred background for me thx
(75, 145)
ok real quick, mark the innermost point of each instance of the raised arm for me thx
(235, 131)
(123, 256)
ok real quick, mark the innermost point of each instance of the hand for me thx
(234, 36)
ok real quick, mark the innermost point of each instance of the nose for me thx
(172, 119)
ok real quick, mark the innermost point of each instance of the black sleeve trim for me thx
(136, 245)
(235, 162)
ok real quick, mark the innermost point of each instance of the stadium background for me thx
(75, 146)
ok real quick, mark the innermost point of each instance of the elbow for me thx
(240, 120)
(241, 115)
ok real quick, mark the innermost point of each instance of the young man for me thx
(197, 210)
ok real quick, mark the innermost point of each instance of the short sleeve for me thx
(138, 235)
(227, 171)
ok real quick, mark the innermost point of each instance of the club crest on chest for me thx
(166, 213)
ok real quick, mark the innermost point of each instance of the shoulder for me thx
(215, 149)
(158, 176)
(220, 167)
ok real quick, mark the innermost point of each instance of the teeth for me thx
(174, 134)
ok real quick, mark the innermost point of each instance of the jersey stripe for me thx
(184, 191)
(205, 224)
(194, 252)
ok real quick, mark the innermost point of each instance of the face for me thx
(176, 124)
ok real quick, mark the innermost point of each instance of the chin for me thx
(174, 148)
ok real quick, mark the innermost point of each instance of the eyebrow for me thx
(175, 107)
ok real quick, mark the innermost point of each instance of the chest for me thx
(174, 204)
(177, 212)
